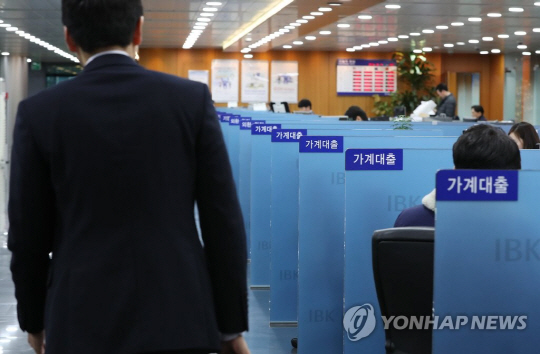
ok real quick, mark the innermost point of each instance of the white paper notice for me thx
(284, 81)
(225, 80)
(199, 76)
(254, 81)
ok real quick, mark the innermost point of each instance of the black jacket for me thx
(105, 171)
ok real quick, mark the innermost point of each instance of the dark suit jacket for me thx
(105, 171)
(447, 106)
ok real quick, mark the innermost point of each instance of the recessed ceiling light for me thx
(538, 51)
(474, 41)
(417, 51)
(203, 19)
(428, 31)
(213, 3)
(487, 39)
(495, 51)
(12, 29)
(484, 52)
(297, 42)
(334, 3)
(199, 27)
(295, 24)
(365, 46)
(302, 21)
(289, 27)
(537, 4)
(344, 25)
(503, 36)
(448, 45)
(308, 17)
(325, 33)
(457, 24)
(365, 17)
(393, 39)
(524, 53)
(520, 33)
(494, 14)
(427, 49)
(311, 38)
(522, 46)
(374, 44)
(286, 46)
(209, 9)
(441, 27)
(383, 42)
(350, 49)
(536, 29)
(358, 47)
(28, 60)
(5, 25)
(5, 53)
(475, 19)
(316, 13)
(392, 6)
(460, 43)
(515, 9)
(248, 56)
(207, 14)
(403, 36)
(325, 9)
(414, 34)
(245, 50)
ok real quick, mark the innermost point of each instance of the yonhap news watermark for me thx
(360, 321)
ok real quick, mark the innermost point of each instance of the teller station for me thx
(313, 193)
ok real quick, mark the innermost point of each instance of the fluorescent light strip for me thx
(243, 31)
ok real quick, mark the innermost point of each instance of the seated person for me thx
(356, 113)
(478, 113)
(304, 105)
(481, 147)
(525, 135)
(447, 105)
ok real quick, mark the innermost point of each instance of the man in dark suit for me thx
(447, 105)
(105, 171)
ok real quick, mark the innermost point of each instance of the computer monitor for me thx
(380, 118)
(470, 120)
(282, 107)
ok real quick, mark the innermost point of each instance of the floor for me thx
(261, 338)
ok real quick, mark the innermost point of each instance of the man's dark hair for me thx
(478, 109)
(355, 111)
(441, 87)
(485, 147)
(97, 24)
(527, 133)
(304, 103)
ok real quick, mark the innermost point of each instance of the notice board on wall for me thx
(361, 77)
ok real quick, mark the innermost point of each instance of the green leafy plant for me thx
(402, 123)
(415, 74)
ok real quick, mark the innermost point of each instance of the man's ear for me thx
(137, 35)
(69, 40)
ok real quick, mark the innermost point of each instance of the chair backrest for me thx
(400, 111)
(403, 272)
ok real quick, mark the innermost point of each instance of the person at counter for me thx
(356, 113)
(525, 135)
(477, 112)
(447, 105)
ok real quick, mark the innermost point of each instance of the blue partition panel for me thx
(321, 239)
(373, 200)
(284, 254)
(530, 159)
(233, 145)
(487, 266)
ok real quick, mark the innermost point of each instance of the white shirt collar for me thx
(107, 52)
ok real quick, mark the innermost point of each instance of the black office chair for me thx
(400, 111)
(403, 272)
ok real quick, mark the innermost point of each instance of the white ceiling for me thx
(169, 22)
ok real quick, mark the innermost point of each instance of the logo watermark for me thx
(359, 322)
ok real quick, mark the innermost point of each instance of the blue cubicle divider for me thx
(284, 216)
(233, 142)
(321, 239)
(530, 159)
(260, 204)
(487, 263)
(373, 200)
